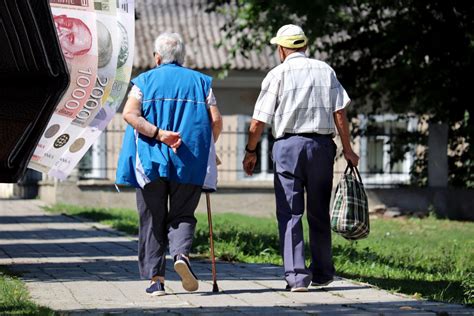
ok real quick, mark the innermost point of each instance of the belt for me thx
(309, 135)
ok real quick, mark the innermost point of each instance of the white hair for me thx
(170, 47)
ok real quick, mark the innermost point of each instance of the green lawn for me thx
(429, 258)
(14, 298)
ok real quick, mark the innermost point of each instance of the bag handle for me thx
(354, 170)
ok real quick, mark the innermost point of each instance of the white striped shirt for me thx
(300, 96)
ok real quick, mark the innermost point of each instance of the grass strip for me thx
(14, 297)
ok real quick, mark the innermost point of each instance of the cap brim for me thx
(295, 41)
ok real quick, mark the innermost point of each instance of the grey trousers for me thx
(304, 162)
(166, 215)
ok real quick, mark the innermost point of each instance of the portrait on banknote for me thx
(105, 45)
(74, 35)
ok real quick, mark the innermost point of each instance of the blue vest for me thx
(174, 98)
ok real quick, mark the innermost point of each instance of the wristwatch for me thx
(157, 131)
(247, 150)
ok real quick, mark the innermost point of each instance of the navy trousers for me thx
(162, 226)
(304, 163)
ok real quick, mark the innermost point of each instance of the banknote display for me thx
(88, 130)
(108, 51)
(75, 22)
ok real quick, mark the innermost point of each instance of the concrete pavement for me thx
(76, 267)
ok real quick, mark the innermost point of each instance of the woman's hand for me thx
(172, 139)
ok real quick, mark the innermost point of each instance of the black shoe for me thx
(321, 284)
(188, 278)
(156, 289)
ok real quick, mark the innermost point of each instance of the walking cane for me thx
(215, 288)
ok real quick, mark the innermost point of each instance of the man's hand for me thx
(351, 156)
(172, 139)
(249, 163)
(250, 159)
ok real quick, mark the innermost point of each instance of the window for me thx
(375, 154)
(375, 146)
(264, 153)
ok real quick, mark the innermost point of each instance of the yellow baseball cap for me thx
(290, 36)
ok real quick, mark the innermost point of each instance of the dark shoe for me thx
(296, 288)
(156, 289)
(321, 284)
(188, 278)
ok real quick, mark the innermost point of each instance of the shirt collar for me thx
(295, 55)
(174, 63)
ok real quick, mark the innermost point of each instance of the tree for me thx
(401, 56)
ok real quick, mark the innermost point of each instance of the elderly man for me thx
(173, 118)
(304, 102)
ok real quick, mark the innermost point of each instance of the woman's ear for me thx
(157, 59)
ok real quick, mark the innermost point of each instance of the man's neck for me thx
(295, 54)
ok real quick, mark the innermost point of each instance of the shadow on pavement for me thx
(386, 308)
(36, 219)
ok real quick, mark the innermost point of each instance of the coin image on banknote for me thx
(123, 55)
(74, 36)
(77, 145)
(105, 44)
(51, 131)
(61, 141)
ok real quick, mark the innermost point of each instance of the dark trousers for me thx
(161, 225)
(304, 162)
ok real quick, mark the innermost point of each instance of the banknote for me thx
(108, 51)
(92, 132)
(107, 35)
(77, 34)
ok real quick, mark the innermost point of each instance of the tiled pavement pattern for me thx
(81, 267)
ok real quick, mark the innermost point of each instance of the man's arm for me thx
(132, 114)
(250, 159)
(342, 125)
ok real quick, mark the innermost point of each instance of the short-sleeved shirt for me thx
(300, 96)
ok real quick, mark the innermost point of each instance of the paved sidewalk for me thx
(82, 267)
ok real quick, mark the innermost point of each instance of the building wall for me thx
(232, 101)
(114, 137)
(238, 92)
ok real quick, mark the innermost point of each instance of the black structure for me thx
(33, 78)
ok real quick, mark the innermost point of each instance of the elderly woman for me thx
(173, 120)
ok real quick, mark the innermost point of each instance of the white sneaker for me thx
(188, 278)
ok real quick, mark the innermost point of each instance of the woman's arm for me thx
(132, 114)
(216, 121)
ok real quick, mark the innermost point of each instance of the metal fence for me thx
(374, 150)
